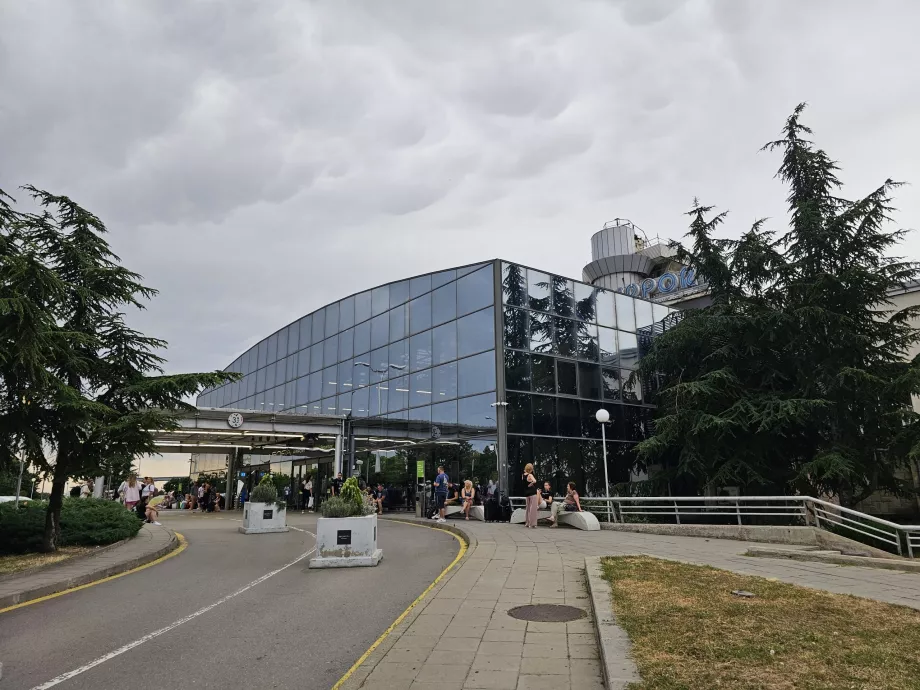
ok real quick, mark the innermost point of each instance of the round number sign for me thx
(235, 420)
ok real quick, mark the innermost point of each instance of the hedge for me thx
(84, 522)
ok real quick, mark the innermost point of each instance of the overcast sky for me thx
(257, 160)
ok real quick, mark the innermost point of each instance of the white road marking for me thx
(156, 633)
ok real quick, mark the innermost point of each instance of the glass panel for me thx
(543, 380)
(260, 380)
(316, 357)
(589, 380)
(541, 332)
(566, 340)
(379, 360)
(566, 378)
(290, 368)
(637, 423)
(444, 413)
(262, 349)
(380, 299)
(476, 332)
(610, 383)
(362, 338)
(477, 411)
(444, 382)
(442, 278)
(444, 343)
(329, 383)
(631, 390)
(343, 403)
(477, 374)
(519, 417)
(302, 394)
(316, 386)
(272, 348)
(567, 412)
(380, 331)
(346, 373)
(420, 314)
(331, 350)
(516, 321)
(420, 388)
(590, 427)
(293, 338)
(346, 313)
(328, 406)
(346, 344)
(420, 351)
(517, 370)
(563, 296)
(378, 399)
(420, 285)
(399, 293)
(544, 415)
(398, 357)
(399, 322)
(283, 342)
(420, 418)
(584, 302)
(399, 393)
(607, 345)
(587, 341)
(644, 317)
(444, 304)
(362, 307)
(474, 291)
(626, 318)
(514, 285)
(319, 325)
(361, 374)
(359, 398)
(629, 352)
(270, 376)
(659, 312)
(538, 290)
(332, 319)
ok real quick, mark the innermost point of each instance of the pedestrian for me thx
(469, 493)
(149, 489)
(287, 495)
(244, 496)
(379, 494)
(570, 504)
(337, 485)
(308, 494)
(440, 493)
(86, 490)
(532, 492)
(130, 492)
(201, 504)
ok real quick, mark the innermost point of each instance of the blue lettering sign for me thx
(665, 284)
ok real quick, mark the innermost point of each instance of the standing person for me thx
(86, 490)
(130, 492)
(201, 492)
(570, 504)
(244, 496)
(308, 493)
(337, 485)
(287, 496)
(468, 494)
(440, 493)
(149, 489)
(532, 492)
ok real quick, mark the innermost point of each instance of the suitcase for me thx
(505, 509)
(492, 510)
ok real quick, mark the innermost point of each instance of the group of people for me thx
(542, 499)
(466, 495)
(137, 496)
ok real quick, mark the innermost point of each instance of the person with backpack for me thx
(440, 493)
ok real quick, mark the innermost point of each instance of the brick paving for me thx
(461, 636)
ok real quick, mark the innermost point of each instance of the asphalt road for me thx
(299, 628)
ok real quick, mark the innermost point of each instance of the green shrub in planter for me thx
(351, 493)
(266, 492)
(84, 522)
(338, 507)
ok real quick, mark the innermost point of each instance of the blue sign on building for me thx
(663, 284)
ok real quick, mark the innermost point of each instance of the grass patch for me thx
(689, 632)
(19, 562)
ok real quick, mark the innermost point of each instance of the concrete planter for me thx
(262, 518)
(346, 542)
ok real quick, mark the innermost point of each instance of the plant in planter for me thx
(263, 512)
(346, 534)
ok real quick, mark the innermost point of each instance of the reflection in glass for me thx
(378, 398)
(476, 374)
(644, 316)
(515, 332)
(590, 427)
(420, 285)
(607, 345)
(632, 388)
(269, 376)
(566, 339)
(399, 393)
(567, 413)
(362, 306)
(420, 351)
(444, 382)
(332, 319)
(398, 357)
(359, 404)
(272, 346)
(319, 325)
(420, 418)
(420, 314)
(517, 370)
(399, 293)
(329, 382)
(518, 415)
(589, 381)
(538, 290)
(629, 351)
(626, 318)
(260, 380)
(541, 332)
(514, 285)
(345, 375)
(399, 322)
(444, 413)
(587, 341)
(610, 383)
(316, 357)
(420, 388)
(585, 302)
(444, 304)
(380, 299)
(361, 375)
(474, 291)
(330, 350)
(544, 415)
(566, 378)
(380, 331)
(477, 412)
(476, 332)
(542, 377)
(563, 296)
(442, 278)
(343, 403)
(444, 343)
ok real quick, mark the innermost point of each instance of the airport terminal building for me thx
(482, 368)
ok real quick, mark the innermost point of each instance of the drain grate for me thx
(547, 613)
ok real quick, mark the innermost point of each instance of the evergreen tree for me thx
(80, 391)
(795, 378)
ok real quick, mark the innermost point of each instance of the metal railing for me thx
(754, 510)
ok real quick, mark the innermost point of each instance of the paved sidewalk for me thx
(460, 635)
(151, 543)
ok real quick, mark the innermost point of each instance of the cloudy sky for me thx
(256, 160)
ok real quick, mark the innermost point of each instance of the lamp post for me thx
(602, 416)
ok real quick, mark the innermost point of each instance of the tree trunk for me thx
(52, 537)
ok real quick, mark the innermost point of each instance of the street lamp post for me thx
(603, 417)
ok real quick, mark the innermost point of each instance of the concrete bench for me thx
(476, 512)
(583, 520)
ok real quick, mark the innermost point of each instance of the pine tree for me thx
(795, 378)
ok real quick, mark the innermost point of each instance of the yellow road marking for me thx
(402, 616)
(183, 544)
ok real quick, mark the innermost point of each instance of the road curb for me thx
(612, 642)
(470, 540)
(69, 561)
(835, 558)
(28, 594)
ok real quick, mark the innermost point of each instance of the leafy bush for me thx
(338, 507)
(84, 522)
(265, 492)
(351, 493)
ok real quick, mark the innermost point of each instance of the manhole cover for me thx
(547, 613)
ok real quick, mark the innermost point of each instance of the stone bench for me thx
(476, 512)
(583, 520)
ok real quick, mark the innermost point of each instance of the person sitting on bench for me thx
(546, 497)
(570, 504)
(453, 495)
(469, 493)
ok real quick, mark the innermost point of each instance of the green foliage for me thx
(351, 493)
(84, 522)
(338, 507)
(265, 491)
(794, 379)
(80, 390)
(179, 484)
